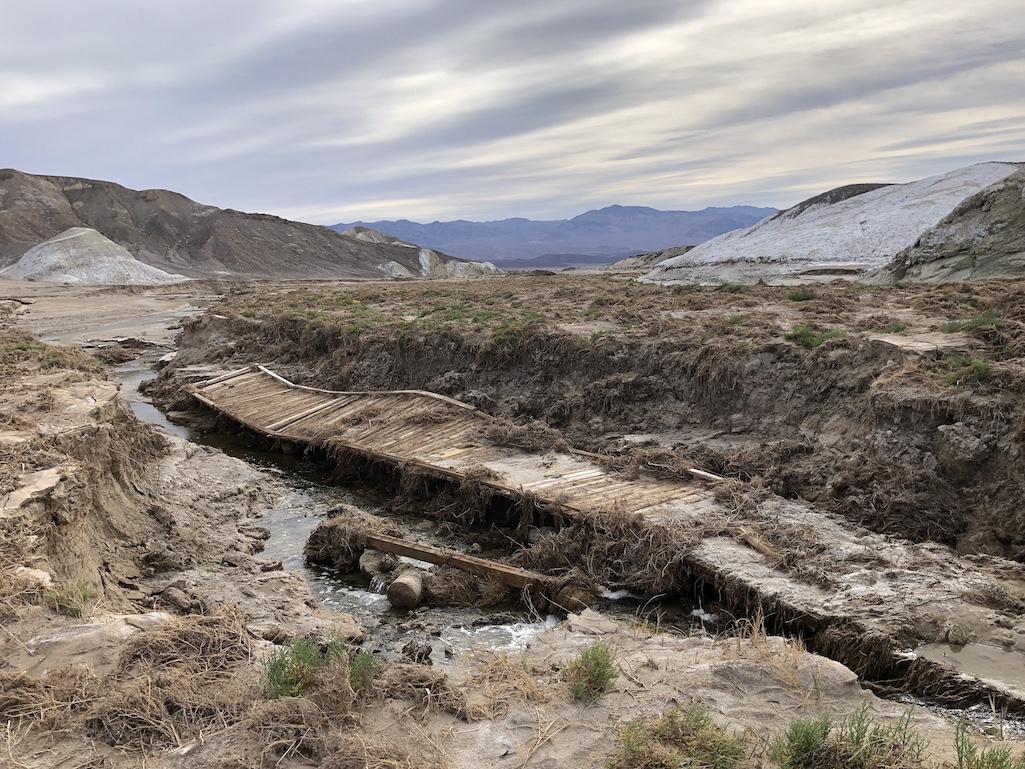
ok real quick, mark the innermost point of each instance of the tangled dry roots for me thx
(176, 682)
(212, 642)
(425, 686)
(351, 750)
(286, 728)
(49, 701)
(533, 436)
(447, 586)
(341, 539)
(498, 679)
(168, 708)
(615, 550)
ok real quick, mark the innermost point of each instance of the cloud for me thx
(328, 110)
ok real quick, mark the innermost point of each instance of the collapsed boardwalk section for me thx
(916, 616)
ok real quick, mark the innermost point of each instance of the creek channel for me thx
(450, 631)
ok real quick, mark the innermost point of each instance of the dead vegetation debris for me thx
(614, 357)
(50, 701)
(533, 436)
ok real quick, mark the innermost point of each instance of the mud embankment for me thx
(852, 426)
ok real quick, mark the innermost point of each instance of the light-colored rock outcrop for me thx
(853, 228)
(984, 237)
(82, 255)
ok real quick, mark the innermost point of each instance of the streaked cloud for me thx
(333, 110)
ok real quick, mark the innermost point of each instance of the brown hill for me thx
(169, 231)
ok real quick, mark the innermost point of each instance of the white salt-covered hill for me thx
(82, 255)
(848, 229)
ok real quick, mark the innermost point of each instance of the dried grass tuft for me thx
(447, 586)
(51, 700)
(205, 643)
(534, 436)
(499, 679)
(425, 686)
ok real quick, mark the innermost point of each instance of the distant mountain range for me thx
(596, 237)
(167, 230)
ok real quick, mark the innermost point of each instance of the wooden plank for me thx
(271, 405)
(442, 556)
(224, 377)
(281, 423)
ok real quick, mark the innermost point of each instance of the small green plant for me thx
(363, 671)
(292, 668)
(856, 742)
(802, 743)
(988, 319)
(736, 319)
(681, 737)
(592, 673)
(730, 288)
(970, 757)
(811, 336)
(802, 295)
(965, 370)
(71, 599)
(895, 327)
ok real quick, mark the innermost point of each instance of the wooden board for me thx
(442, 556)
(391, 426)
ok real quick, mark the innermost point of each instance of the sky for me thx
(338, 110)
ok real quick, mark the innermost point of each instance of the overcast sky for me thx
(332, 110)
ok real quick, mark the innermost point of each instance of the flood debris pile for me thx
(412, 573)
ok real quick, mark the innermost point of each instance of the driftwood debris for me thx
(512, 576)
(406, 590)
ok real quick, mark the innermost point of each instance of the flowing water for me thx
(454, 631)
(448, 630)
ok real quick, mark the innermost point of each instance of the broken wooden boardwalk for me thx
(435, 434)
(877, 604)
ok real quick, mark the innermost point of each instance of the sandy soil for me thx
(80, 315)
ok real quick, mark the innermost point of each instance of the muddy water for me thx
(985, 662)
(449, 631)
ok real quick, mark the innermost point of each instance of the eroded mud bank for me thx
(878, 423)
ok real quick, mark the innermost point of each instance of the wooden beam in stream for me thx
(521, 579)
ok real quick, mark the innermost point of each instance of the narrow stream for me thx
(449, 630)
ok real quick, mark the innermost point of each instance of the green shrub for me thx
(964, 369)
(970, 757)
(800, 746)
(988, 319)
(592, 673)
(736, 319)
(681, 737)
(362, 673)
(811, 336)
(802, 295)
(71, 599)
(857, 742)
(731, 288)
(895, 327)
(292, 668)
